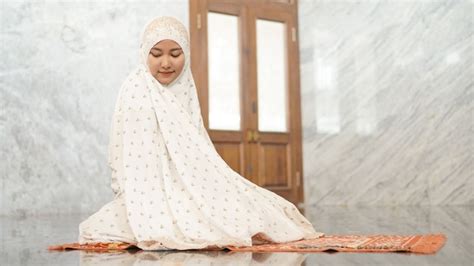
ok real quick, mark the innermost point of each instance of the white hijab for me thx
(178, 190)
(141, 92)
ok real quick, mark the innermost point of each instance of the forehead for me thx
(166, 44)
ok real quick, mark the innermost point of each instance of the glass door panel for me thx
(272, 77)
(224, 71)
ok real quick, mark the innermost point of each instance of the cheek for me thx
(152, 64)
(180, 63)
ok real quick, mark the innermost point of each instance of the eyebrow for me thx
(174, 49)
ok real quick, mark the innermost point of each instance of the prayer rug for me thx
(423, 244)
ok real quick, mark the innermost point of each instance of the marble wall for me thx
(387, 102)
(62, 65)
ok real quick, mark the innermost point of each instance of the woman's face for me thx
(166, 61)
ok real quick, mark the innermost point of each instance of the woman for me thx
(172, 189)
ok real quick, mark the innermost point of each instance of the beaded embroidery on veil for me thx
(172, 189)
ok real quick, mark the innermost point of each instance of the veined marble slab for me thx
(387, 102)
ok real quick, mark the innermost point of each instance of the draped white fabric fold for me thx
(172, 189)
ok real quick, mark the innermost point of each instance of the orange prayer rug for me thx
(423, 244)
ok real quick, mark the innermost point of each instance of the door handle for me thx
(252, 136)
(256, 136)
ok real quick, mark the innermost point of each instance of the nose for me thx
(165, 63)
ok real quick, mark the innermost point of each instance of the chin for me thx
(166, 82)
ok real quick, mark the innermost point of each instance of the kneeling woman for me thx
(172, 189)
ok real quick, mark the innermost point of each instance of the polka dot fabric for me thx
(172, 189)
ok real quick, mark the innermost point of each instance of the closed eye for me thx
(173, 55)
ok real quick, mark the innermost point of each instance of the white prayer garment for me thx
(172, 189)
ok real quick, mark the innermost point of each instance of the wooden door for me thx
(246, 68)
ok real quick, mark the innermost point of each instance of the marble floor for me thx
(24, 240)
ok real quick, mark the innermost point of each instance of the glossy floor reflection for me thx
(25, 240)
